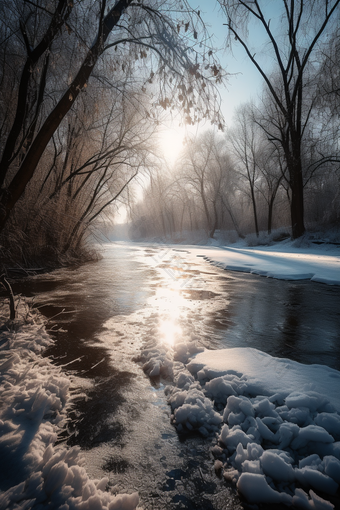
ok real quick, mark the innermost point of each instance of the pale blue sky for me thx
(244, 81)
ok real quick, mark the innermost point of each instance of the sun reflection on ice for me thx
(169, 331)
(171, 307)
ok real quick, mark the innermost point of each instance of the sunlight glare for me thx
(169, 331)
(170, 305)
(171, 143)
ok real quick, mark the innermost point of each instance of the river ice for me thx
(275, 423)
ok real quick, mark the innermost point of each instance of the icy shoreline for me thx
(277, 437)
(283, 261)
(35, 473)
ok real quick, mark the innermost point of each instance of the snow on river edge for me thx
(276, 423)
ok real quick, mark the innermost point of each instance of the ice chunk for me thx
(194, 410)
(236, 419)
(286, 433)
(255, 489)
(252, 466)
(184, 379)
(319, 503)
(254, 451)
(301, 500)
(331, 467)
(264, 431)
(265, 408)
(238, 405)
(312, 460)
(231, 475)
(301, 416)
(313, 478)
(219, 390)
(232, 437)
(330, 422)
(312, 400)
(274, 465)
(311, 433)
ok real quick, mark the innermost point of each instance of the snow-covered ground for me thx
(274, 423)
(284, 260)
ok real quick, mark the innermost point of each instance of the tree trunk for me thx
(294, 165)
(270, 215)
(233, 219)
(60, 16)
(212, 232)
(255, 211)
(296, 204)
(205, 205)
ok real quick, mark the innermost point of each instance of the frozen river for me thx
(103, 313)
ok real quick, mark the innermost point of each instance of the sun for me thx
(171, 143)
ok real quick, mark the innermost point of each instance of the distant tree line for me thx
(279, 163)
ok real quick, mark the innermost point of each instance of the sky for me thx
(244, 82)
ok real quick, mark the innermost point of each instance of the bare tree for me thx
(205, 171)
(292, 48)
(273, 171)
(245, 141)
(94, 158)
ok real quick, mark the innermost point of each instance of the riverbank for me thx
(36, 396)
(313, 257)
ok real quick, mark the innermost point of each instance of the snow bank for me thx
(286, 261)
(278, 425)
(33, 471)
(257, 373)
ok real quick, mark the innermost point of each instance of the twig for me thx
(10, 295)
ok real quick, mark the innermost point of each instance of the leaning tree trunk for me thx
(214, 227)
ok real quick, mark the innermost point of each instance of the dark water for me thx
(295, 320)
(101, 315)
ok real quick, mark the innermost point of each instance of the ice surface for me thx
(274, 423)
